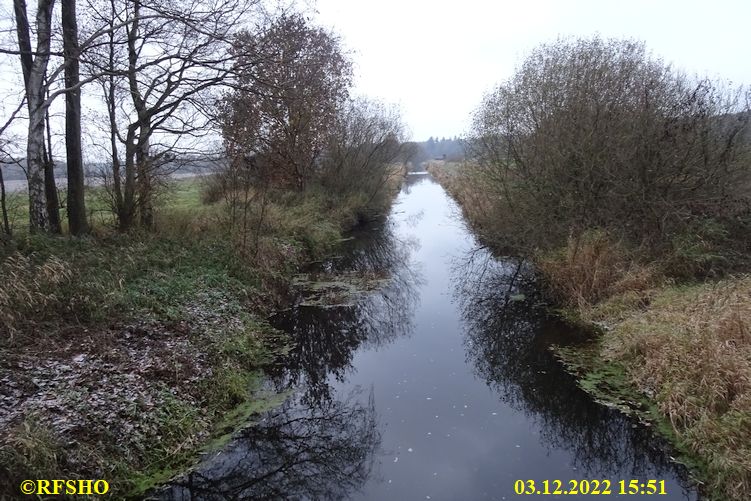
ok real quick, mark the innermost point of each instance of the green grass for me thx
(181, 195)
(17, 204)
(185, 194)
(189, 281)
(126, 276)
(159, 282)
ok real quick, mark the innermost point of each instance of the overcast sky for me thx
(436, 59)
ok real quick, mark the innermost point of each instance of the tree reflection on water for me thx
(322, 443)
(326, 339)
(319, 444)
(295, 451)
(507, 341)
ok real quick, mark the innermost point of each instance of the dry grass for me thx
(691, 350)
(479, 205)
(591, 268)
(687, 348)
(28, 288)
(31, 444)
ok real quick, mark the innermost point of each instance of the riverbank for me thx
(676, 354)
(125, 356)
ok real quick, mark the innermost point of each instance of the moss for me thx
(241, 415)
(169, 465)
(609, 383)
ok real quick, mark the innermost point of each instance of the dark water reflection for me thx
(295, 451)
(507, 344)
(326, 339)
(438, 386)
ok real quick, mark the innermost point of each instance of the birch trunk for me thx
(34, 70)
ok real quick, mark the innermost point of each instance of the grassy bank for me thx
(673, 350)
(124, 355)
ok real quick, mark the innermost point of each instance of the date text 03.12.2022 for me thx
(590, 487)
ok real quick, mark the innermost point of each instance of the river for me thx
(438, 385)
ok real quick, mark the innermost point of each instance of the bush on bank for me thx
(598, 135)
(628, 184)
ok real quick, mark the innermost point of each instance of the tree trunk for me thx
(35, 166)
(137, 144)
(76, 203)
(3, 207)
(24, 39)
(143, 161)
(50, 187)
(110, 97)
(34, 70)
(126, 212)
(116, 174)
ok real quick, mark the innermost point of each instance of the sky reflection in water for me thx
(437, 386)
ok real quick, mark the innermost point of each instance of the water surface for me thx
(437, 386)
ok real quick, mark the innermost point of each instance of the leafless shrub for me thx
(597, 133)
(362, 149)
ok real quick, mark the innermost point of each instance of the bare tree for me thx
(294, 79)
(175, 53)
(598, 134)
(159, 69)
(42, 86)
(362, 150)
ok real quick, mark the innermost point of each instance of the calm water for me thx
(438, 386)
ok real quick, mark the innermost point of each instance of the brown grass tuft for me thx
(27, 288)
(691, 350)
(591, 268)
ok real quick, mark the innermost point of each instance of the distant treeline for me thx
(450, 149)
